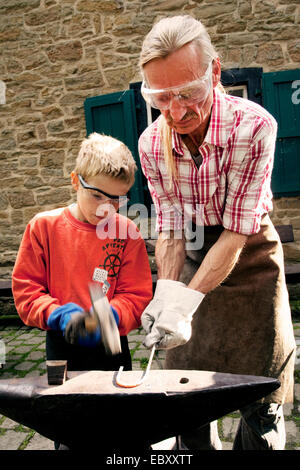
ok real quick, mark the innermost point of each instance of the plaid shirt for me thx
(232, 186)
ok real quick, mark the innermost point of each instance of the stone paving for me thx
(25, 357)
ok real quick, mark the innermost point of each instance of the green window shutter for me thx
(114, 114)
(282, 100)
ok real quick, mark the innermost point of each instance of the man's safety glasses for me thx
(186, 94)
(120, 200)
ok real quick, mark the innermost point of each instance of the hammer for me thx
(103, 317)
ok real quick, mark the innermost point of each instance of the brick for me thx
(9, 424)
(135, 338)
(35, 355)
(292, 431)
(33, 373)
(70, 51)
(38, 442)
(24, 365)
(139, 354)
(52, 112)
(43, 16)
(271, 54)
(155, 365)
(287, 409)
(227, 445)
(35, 340)
(11, 440)
(229, 427)
(23, 349)
(297, 392)
(19, 198)
(14, 357)
(136, 365)
(6, 375)
(101, 6)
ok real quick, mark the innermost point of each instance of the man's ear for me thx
(74, 180)
(216, 71)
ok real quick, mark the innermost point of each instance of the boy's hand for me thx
(75, 324)
(70, 319)
(76, 331)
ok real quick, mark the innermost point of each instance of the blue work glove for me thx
(76, 329)
(116, 315)
(71, 320)
(61, 316)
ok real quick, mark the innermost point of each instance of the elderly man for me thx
(215, 151)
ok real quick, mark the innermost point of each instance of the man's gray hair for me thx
(172, 33)
(167, 36)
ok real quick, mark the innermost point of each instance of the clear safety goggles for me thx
(186, 94)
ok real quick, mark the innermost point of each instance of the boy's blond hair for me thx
(103, 154)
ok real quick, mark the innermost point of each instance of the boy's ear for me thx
(74, 180)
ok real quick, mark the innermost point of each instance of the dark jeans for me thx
(85, 358)
(261, 428)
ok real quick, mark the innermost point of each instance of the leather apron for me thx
(244, 325)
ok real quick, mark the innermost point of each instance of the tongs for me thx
(143, 377)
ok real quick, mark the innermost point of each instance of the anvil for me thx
(90, 410)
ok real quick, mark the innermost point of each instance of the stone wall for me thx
(56, 53)
(287, 211)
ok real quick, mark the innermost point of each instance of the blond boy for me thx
(61, 252)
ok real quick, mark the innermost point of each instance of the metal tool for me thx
(143, 377)
(104, 316)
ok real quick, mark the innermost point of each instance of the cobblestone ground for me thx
(25, 357)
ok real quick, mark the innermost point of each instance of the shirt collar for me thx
(221, 120)
(219, 126)
(177, 143)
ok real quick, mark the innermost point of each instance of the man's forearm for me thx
(170, 255)
(218, 262)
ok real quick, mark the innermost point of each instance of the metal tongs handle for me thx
(145, 374)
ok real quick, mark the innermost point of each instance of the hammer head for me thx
(104, 317)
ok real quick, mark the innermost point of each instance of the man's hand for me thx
(167, 319)
(156, 306)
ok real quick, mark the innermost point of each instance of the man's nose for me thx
(176, 109)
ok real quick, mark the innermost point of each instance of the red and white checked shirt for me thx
(232, 185)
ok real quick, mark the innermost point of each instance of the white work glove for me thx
(167, 319)
(155, 307)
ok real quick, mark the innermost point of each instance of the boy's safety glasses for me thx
(187, 94)
(109, 198)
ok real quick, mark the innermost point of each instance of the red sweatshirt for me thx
(59, 256)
